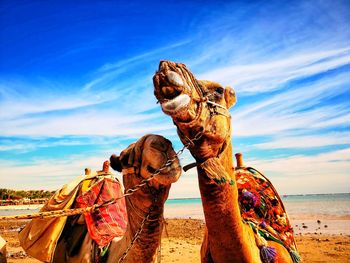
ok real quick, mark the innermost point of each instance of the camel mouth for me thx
(176, 105)
(174, 90)
(170, 175)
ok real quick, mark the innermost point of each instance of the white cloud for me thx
(270, 75)
(321, 173)
(16, 104)
(306, 141)
(49, 174)
(87, 122)
(286, 110)
(141, 57)
(263, 77)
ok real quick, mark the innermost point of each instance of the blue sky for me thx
(76, 85)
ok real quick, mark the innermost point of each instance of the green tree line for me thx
(6, 194)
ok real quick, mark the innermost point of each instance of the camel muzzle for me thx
(169, 90)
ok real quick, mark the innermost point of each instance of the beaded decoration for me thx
(262, 208)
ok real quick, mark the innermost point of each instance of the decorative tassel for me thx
(295, 256)
(267, 254)
(215, 171)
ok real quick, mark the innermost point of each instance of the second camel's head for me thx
(144, 158)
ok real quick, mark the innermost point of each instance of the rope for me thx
(49, 214)
(60, 213)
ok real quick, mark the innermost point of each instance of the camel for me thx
(199, 109)
(140, 161)
(2, 250)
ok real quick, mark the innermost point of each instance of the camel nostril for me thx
(162, 65)
(151, 169)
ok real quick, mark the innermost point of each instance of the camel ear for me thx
(135, 154)
(115, 163)
(127, 156)
(230, 97)
(132, 155)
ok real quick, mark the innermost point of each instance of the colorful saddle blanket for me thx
(262, 208)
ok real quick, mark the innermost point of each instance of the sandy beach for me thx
(182, 240)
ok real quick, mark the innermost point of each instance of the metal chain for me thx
(130, 191)
(136, 236)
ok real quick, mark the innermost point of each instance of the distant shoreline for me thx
(21, 207)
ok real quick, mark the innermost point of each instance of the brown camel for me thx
(199, 109)
(140, 161)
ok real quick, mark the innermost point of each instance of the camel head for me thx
(198, 108)
(142, 159)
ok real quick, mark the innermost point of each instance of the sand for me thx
(182, 240)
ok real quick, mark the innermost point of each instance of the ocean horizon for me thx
(304, 210)
(283, 197)
(336, 205)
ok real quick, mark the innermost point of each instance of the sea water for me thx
(311, 206)
(336, 206)
(331, 210)
(314, 213)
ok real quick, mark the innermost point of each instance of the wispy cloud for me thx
(85, 123)
(141, 57)
(306, 141)
(112, 70)
(272, 75)
(49, 174)
(304, 107)
(326, 172)
(15, 104)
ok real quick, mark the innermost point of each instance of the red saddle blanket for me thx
(106, 222)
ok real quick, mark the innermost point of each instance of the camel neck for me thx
(145, 247)
(222, 215)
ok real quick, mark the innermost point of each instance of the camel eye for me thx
(151, 169)
(219, 90)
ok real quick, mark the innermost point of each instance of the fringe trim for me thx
(215, 171)
(295, 256)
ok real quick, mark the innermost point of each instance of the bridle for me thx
(213, 108)
(203, 101)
